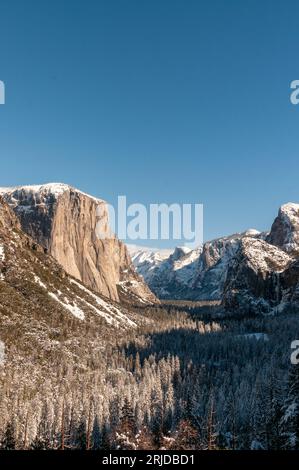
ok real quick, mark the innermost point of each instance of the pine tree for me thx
(290, 420)
(137, 370)
(81, 435)
(211, 435)
(186, 437)
(230, 422)
(124, 435)
(89, 429)
(96, 434)
(26, 430)
(259, 415)
(275, 414)
(157, 413)
(106, 442)
(62, 446)
(42, 438)
(9, 442)
(127, 422)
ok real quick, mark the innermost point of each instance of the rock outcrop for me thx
(214, 263)
(63, 220)
(264, 277)
(254, 278)
(285, 229)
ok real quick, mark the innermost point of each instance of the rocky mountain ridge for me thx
(63, 220)
(264, 275)
(250, 272)
(198, 274)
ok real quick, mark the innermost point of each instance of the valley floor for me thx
(180, 382)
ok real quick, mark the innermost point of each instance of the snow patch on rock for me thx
(111, 313)
(72, 308)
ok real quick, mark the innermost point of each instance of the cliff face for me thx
(254, 278)
(285, 229)
(8, 220)
(63, 220)
(214, 263)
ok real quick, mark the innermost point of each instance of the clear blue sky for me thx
(161, 100)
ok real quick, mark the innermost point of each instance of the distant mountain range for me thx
(183, 273)
(248, 272)
(251, 272)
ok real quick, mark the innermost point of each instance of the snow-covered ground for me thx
(76, 304)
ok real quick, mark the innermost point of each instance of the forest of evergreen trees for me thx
(178, 383)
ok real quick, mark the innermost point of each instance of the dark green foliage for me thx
(9, 442)
(81, 437)
(96, 438)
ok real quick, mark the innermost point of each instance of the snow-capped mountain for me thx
(169, 275)
(264, 276)
(63, 220)
(253, 283)
(214, 263)
(198, 274)
(250, 272)
(146, 261)
(285, 229)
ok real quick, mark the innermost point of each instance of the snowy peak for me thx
(40, 194)
(153, 258)
(26, 196)
(290, 208)
(146, 261)
(167, 273)
(252, 232)
(54, 188)
(180, 252)
(198, 274)
(285, 229)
